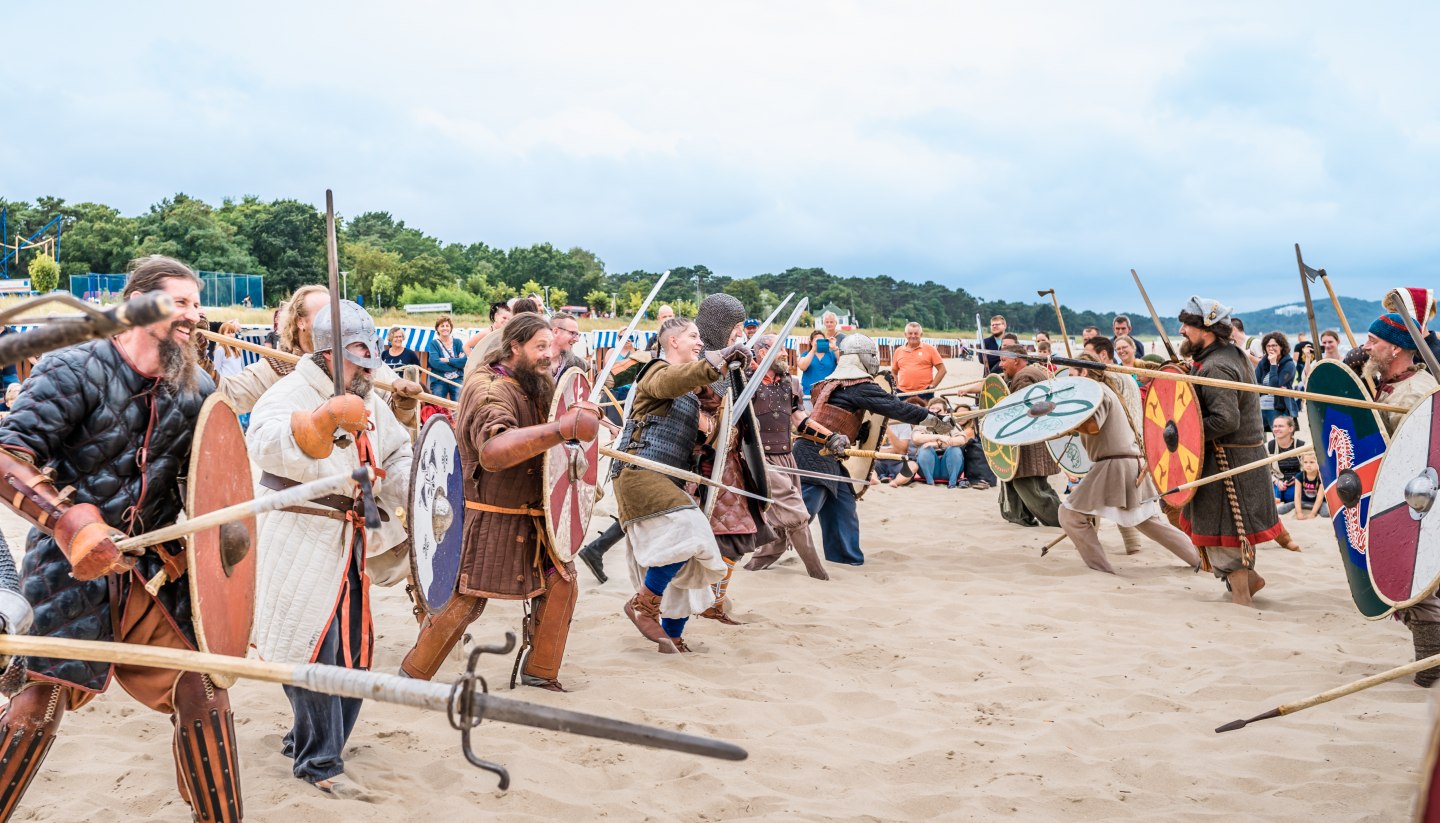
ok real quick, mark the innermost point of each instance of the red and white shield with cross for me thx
(571, 471)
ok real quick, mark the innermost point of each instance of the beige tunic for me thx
(1110, 489)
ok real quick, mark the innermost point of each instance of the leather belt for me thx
(486, 507)
(337, 504)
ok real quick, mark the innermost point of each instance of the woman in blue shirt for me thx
(816, 364)
(447, 359)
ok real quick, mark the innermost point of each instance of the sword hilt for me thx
(362, 476)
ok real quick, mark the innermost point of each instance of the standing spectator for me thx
(9, 374)
(1286, 473)
(228, 359)
(272, 338)
(1276, 370)
(917, 365)
(1127, 349)
(1087, 333)
(1238, 337)
(396, 356)
(446, 359)
(992, 343)
(831, 324)
(1330, 345)
(664, 313)
(1040, 337)
(567, 331)
(1304, 357)
(1121, 326)
(816, 364)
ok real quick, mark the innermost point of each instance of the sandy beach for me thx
(957, 675)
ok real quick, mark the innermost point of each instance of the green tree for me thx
(598, 300)
(428, 271)
(557, 297)
(365, 262)
(382, 285)
(96, 238)
(189, 230)
(288, 242)
(44, 274)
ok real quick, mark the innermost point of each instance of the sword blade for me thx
(769, 360)
(598, 389)
(771, 467)
(678, 474)
(332, 254)
(759, 330)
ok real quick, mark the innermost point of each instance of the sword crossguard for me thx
(465, 711)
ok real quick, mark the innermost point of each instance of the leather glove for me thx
(730, 357)
(940, 424)
(837, 443)
(580, 423)
(88, 542)
(407, 388)
(315, 431)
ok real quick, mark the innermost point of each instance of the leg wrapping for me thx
(27, 731)
(206, 753)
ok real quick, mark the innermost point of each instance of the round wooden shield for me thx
(1041, 411)
(436, 514)
(1002, 459)
(1349, 443)
(571, 472)
(1173, 436)
(221, 560)
(872, 431)
(1404, 541)
(1068, 451)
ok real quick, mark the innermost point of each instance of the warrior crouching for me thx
(503, 436)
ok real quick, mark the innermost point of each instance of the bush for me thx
(461, 301)
(44, 274)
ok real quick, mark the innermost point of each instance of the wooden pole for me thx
(286, 357)
(1340, 691)
(678, 474)
(1155, 316)
(1060, 316)
(1252, 465)
(1305, 286)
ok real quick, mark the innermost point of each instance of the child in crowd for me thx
(1311, 497)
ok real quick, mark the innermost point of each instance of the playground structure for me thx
(49, 246)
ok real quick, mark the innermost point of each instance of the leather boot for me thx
(27, 730)
(1427, 644)
(439, 634)
(550, 628)
(206, 755)
(717, 612)
(644, 611)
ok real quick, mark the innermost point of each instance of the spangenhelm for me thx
(858, 357)
(355, 327)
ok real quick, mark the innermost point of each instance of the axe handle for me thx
(1344, 323)
(287, 357)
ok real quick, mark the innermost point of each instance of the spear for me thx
(1155, 316)
(1254, 464)
(1254, 388)
(1340, 691)
(287, 357)
(678, 474)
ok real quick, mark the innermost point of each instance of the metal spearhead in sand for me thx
(1338, 692)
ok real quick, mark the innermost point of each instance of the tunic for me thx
(1232, 421)
(1412, 386)
(1110, 489)
(502, 555)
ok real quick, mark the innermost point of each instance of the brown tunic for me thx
(502, 555)
(1035, 459)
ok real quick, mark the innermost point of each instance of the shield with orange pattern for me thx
(1174, 436)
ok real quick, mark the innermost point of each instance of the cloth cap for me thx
(1391, 328)
(1212, 311)
(1421, 304)
(355, 327)
(716, 318)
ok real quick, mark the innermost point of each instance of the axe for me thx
(1058, 316)
(1308, 274)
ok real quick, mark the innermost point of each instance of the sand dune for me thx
(956, 676)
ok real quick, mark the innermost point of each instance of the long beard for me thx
(360, 385)
(179, 366)
(536, 381)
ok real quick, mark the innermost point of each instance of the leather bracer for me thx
(511, 448)
(31, 492)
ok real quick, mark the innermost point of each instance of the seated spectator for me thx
(1285, 472)
(1312, 490)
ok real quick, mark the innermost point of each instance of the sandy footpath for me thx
(957, 676)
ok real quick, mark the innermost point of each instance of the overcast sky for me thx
(1005, 147)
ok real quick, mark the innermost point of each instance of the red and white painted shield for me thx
(570, 475)
(1404, 527)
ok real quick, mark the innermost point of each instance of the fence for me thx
(220, 288)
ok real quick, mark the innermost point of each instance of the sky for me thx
(1003, 147)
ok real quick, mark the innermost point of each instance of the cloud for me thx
(1000, 147)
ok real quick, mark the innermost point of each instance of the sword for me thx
(753, 385)
(467, 701)
(678, 474)
(1154, 315)
(598, 389)
(332, 254)
(759, 330)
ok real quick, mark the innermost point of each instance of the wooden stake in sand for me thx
(464, 703)
(1338, 692)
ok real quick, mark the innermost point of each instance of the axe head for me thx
(1045, 293)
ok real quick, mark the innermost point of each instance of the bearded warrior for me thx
(111, 422)
(503, 433)
(312, 584)
(841, 401)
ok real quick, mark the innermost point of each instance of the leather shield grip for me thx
(30, 493)
(511, 448)
(85, 539)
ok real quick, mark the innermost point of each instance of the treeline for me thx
(390, 263)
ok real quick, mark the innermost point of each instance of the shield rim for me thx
(1091, 387)
(859, 467)
(1190, 426)
(724, 422)
(1313, 412)
(1060, 446)
(993, 451)
(459, 514)
(1429, 403)
(548, 474)
(250, 561)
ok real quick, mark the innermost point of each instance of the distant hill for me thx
(1290, 317)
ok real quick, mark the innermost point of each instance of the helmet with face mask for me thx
(859, 357)
(355, 327)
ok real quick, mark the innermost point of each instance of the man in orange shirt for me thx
(917, 366)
